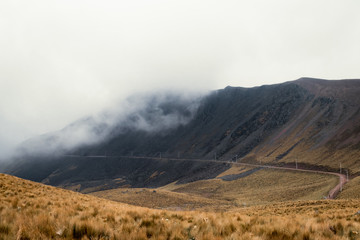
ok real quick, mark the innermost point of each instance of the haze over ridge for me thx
(64, 60)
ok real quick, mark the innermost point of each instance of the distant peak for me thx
(310, 79)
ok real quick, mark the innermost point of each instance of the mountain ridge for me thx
(314, 122)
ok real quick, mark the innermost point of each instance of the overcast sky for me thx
(63, 59)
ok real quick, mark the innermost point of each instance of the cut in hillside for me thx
(31, 210)
(314, 123)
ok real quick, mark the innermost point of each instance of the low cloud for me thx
(63, 60)
(146, 112)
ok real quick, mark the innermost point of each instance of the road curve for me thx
(331, 195)
(334, 192)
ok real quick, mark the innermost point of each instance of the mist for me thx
(61, 61)
(147, 112)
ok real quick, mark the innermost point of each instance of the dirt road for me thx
(332, 193)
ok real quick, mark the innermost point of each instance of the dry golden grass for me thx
(235, 169)
(264, 186)
(34, 211)
(162, 199)
(351, 189)
(308, 151)
(323, 157)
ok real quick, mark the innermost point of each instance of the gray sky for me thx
(64, 59)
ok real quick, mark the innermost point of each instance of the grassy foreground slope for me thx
(31, 210)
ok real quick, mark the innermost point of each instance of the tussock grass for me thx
(34, 211)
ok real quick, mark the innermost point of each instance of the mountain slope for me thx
(31, 210)
(313, 122)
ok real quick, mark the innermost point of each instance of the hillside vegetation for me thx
(31, 210)
(351, 189)
(312, 122)
(261, 187)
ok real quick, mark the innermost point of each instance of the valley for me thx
(241, 185)
(312, 123)
(270, 162)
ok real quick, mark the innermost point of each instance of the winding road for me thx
(331, 195)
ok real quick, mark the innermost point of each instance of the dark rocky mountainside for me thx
(314, 122)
